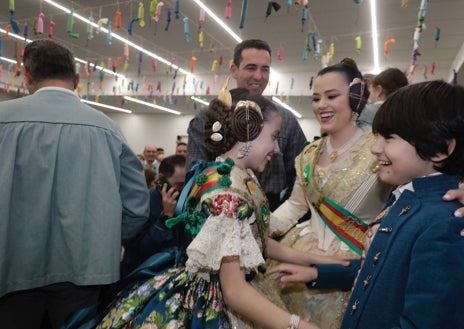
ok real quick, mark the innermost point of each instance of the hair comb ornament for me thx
(224, 94)
(247, 121)
(358, 95)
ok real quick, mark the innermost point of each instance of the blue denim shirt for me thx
(71, 190)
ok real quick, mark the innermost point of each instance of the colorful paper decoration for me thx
(117, 20)
(270, 6)
(177, 8)
(159, 7)
(201, 38)
(304, 16)
(243, 14)
(193, 59)
(141, 14)
(168, 20)
(152, 9)
(358, 41)
(228, 11)
(71, 24)
(386, 46)
(50, 29)
(280, 53)
(40, 24)
(188, 38)
(109, 37)
(131, 23)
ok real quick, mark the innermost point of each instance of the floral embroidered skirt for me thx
(174, 299)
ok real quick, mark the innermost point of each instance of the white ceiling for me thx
(334, 21)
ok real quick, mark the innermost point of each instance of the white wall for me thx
(143, 129)
(162, 130)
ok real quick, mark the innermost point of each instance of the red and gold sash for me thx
(346, 226)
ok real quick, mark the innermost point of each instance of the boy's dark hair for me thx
(247, 44)
(428, 115)
(168, 165)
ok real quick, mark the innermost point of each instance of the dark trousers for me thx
(274, 200)
(46, 307)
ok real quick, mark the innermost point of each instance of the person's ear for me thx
(27, 76)
(442, 156)
(76, 80)
(234, 70)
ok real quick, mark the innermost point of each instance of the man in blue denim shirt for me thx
(72, 190)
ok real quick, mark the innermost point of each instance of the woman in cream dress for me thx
(337, 181)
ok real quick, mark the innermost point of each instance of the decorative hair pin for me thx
(216, 136)
(224, 94)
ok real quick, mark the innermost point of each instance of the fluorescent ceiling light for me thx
(135, 100)
(9, 60)
(16, 36)
(278, 101)
(105, 106)
(218, 20)
(226, 28)
(199, 100)
(118, 37)
(375, 37)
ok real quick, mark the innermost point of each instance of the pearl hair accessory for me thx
(216, 136)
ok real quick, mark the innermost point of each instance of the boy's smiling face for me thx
(399, 162)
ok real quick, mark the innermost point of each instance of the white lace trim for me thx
(222, 236)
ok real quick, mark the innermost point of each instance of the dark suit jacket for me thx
(154, 238)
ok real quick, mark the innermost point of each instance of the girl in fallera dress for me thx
(227, 214)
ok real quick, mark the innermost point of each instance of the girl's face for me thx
(265, 145)
(330, 102)
(399, 162)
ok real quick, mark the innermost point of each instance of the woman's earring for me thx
(244, 150)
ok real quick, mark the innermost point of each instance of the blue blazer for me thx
(413, 274)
